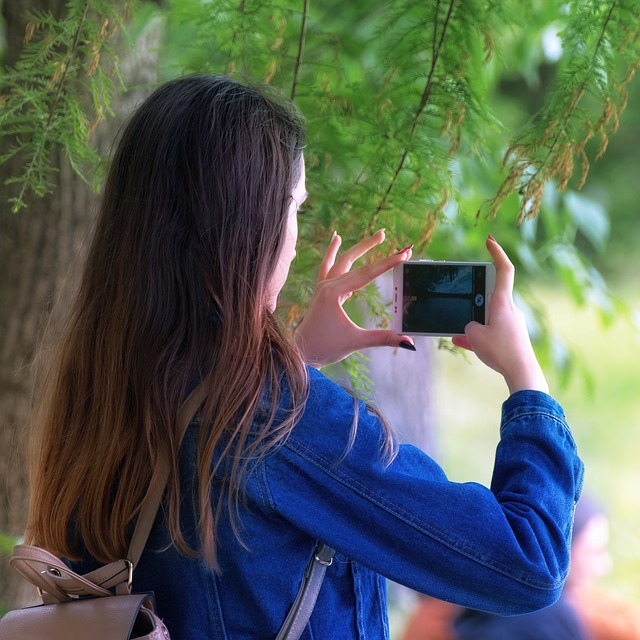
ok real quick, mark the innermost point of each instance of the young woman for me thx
(193, 243)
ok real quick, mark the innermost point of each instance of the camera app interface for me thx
(442, 298)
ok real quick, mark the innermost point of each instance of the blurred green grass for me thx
(605, 420)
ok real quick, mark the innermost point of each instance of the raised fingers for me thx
(354, 280)
(345, 260)
(329, 256)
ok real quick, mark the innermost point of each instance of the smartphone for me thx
(439, 298)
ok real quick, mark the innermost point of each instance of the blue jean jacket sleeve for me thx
(503, 549)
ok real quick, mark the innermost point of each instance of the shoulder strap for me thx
(305, 601)
(156, 490)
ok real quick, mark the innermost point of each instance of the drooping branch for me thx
(73, 51)
(39, 149)
(558, 159)
(576, 97)
(435, 30)
(231, 63)
(303, 26)
(420, 110)
(434, 63)
(48, 85)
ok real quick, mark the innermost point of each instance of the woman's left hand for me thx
(327, 334)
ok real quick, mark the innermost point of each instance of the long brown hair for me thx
(174, 290)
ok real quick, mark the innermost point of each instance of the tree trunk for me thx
(38, 247)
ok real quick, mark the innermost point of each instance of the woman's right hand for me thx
(503, 343)
(326, 333)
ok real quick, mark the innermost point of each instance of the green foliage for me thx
(602, 54)
(7, 543)
(410, 108)
(59, 91)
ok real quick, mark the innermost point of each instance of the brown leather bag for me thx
(68, 613)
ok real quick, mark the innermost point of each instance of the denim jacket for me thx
(503, 549)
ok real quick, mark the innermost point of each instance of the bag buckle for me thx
(324, 555)
(54, 571)
(129, 574)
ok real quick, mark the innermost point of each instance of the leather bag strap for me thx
(52, 576)
(153, 499)
(305, 601)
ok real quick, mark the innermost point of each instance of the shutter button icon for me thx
(479, 300)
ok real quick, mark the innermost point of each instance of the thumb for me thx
(473, 331)
(462, 342)
(472, 335)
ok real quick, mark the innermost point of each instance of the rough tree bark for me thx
(38, 247)
(35, 247)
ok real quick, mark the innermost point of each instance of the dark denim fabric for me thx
(504, 550)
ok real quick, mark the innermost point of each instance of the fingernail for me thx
(380, 231)
(333, 235)
(492, 238)
(405, 344)
(410, 246)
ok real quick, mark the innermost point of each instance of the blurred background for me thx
(441, 122)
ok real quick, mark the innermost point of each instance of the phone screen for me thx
(442, 298)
